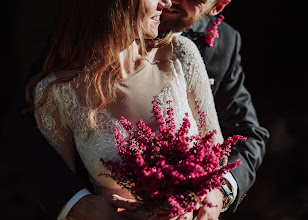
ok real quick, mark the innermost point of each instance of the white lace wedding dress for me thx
(65, 118)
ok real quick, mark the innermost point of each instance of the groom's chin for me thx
(178, 25)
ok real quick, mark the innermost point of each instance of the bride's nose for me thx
(165, 3)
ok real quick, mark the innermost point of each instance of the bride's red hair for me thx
(90, 35)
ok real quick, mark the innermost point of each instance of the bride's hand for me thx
(186, 216)
(128, 208)
(206, 212)
(95, 207)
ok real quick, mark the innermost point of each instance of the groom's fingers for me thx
(120, 202)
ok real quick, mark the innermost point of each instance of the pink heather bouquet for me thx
(170, 173)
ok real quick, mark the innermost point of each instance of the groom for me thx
(232, 100)
(233, 103)
(63, 192)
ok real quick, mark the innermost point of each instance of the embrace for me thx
(112, 58)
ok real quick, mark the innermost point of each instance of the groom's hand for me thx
(211, 213)
(95, 207)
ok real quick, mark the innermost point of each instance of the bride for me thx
(105, 62)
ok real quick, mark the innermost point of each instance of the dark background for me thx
(274, 56)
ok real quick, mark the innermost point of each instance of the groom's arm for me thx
(236, 113)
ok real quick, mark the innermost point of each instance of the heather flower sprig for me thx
(212, 32)
(170, 172)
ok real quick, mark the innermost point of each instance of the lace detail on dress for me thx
(190, 63)
(92, 143)
(53, 121)
(67, 124)
(176, 91)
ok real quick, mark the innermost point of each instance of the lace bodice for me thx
(66, 121)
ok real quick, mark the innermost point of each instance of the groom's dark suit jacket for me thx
(233, 103)
(56, 184)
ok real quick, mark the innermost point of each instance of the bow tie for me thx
(194, 35)
(197, 37)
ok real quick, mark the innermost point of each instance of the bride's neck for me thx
(132, 60)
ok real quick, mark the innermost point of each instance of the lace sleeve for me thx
(198, 86)
(52, 121)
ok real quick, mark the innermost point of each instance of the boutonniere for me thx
(212, 32)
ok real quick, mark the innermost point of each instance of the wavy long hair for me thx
(90, 35)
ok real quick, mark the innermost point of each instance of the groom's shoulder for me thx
(225, 30)
(229, 38)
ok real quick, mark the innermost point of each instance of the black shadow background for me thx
(274, 57)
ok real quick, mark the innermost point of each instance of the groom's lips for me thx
(171, 11)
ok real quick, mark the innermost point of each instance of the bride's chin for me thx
(149, 36)
(151, 32)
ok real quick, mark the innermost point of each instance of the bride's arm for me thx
(202, 93)
(52, 122)
(199, 89)
(198, 85)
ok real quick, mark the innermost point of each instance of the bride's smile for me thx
(151, 20)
